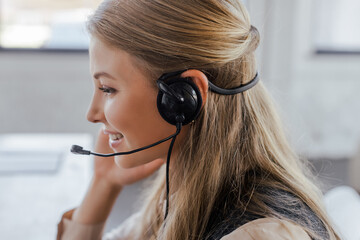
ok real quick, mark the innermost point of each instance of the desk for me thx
(32, 202)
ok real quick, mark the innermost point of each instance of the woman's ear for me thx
(201, 81)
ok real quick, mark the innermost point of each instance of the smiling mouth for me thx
(115, 137)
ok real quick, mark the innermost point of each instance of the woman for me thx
(232, 174)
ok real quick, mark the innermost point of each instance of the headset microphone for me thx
(179, 103)
(79, 150)
(76, 149)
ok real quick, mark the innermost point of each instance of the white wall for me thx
(44, 92)
(318, 94)
(326, 93)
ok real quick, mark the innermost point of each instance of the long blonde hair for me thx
(236, 149)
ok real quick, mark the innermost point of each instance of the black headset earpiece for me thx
(179, 99)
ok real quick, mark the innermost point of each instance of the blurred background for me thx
(309, 58)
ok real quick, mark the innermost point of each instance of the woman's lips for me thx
(115, 139)
(115, 142)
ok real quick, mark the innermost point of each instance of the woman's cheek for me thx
(113, 113)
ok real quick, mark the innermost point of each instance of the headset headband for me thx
(216, 89)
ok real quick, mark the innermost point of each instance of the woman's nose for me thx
(95, 113)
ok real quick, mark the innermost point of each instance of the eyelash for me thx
(107, 90)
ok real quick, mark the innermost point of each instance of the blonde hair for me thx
(236, 149)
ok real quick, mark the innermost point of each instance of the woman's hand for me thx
(107, 183)
(106, 169)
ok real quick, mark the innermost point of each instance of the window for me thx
(337, 27)
(44, 24)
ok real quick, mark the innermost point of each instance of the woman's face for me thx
(126, 106)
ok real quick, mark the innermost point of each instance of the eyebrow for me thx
(104, 74)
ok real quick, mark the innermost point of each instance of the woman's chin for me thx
(133, 161)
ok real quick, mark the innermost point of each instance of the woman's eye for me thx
(107, 90)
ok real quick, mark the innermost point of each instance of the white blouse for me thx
(260, 229)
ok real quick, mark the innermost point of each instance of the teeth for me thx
(115, 136)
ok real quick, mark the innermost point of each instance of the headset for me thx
(179, 103)
(180, 98)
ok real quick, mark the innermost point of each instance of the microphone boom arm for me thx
(79, 150)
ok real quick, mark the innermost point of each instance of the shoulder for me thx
(268, 229)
